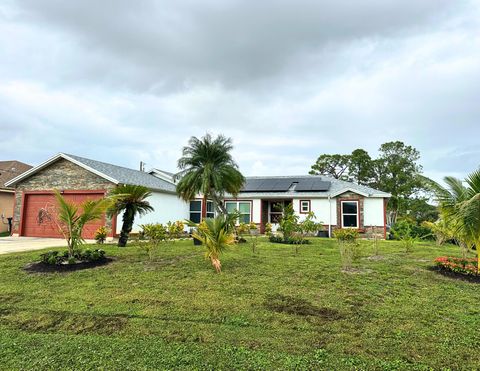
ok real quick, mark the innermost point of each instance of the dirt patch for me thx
(40, 267)
(298, 306)
(64, 322)
(375, 257)
(456, 276)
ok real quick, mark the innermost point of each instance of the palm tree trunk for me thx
(204, 207)
(127, 225)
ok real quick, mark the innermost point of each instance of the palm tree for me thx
(460, 206)
(131, 199)
(216, 235)
(207, 167)
(70, 218)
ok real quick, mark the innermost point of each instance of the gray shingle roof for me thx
(337, 186)
(124, 175)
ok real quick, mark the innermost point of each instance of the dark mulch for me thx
(41, 267)
(455, 275)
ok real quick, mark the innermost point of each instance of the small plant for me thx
(59, 258)
(253, 236)
(156, 234)
(308, 227)
(241, 230)
(295, 240)
(403, 231)
(268, 229)
(288, 224)
(175, 229)
(101, 235)
(216, 234)
(457, 265)
(347, 239)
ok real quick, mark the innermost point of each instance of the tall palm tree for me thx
(460, 206)
(207, 167)
(131, 199)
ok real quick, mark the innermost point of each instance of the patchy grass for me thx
(272, 309)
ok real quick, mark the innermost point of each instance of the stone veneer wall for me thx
(61, 175)
(366, 231)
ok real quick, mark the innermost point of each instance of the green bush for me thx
(289, 241)
(58, 258)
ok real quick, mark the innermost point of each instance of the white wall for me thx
(373, 212)
(321, 209)
(168, 208)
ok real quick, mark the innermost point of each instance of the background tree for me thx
(131, 200)
(361, 167)
(207, 167)
(397, 172)
(335, 166)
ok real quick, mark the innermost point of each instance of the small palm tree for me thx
(460, 206)
(131, 200)
(70, 218)
(207, 167)
(216, 235)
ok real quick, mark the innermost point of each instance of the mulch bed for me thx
(40, 267)
(455, 275)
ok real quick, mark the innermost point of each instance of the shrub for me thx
(288, 224)
(155, 233)
(268, 229)
(289, 241)
(175, 229)
(457, 265)
(58, 258)
(348, 244)
(101, 235)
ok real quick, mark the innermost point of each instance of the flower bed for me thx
(457, 265)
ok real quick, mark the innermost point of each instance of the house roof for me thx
(286, 186)
(114, 173)
(10, 170)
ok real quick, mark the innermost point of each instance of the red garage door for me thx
(34, 202)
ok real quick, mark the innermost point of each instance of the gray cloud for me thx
(287, 80)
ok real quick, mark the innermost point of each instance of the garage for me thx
(34, 226)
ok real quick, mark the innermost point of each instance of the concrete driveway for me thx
(17, 244)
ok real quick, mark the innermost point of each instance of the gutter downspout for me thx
(330, 217)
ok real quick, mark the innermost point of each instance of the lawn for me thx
(271, 309)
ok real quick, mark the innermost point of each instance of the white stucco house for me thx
(335, 203)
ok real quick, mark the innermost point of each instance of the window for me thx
(350, 214)
(244, 207)
(276, 211)
(196, 211)
(210, 210)
(304, 206)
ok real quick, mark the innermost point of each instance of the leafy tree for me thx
(207, 167)
(132, 200)
(216, 235)
(335, 166)
(361, 167)
(288, 224)
(397, 172)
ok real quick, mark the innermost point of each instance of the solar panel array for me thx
(284, 184)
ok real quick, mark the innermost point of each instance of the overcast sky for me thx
(123, 81)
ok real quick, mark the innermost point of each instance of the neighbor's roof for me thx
(10, 170)
(115, 174)
(328, 187)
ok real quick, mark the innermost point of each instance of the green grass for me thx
(4, 234)
(266, 310)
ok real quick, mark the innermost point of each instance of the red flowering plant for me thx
(457, 265)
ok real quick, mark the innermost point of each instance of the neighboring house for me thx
(8, 171)
(79, 179)
(335, 203)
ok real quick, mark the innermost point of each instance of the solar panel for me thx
(314, 185)
(267, 185)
